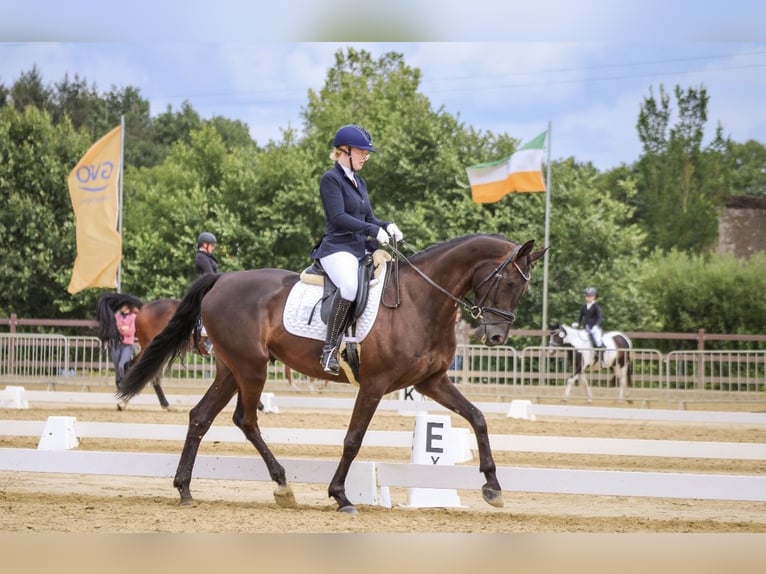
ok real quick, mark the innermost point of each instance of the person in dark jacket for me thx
(351, 229)
(591, 318)
(205, 263)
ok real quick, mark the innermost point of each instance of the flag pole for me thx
(119, 198)
(547, 235)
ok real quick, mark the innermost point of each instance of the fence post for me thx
(700, 384)
(12, 345)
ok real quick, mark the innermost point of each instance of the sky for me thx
(586, 74)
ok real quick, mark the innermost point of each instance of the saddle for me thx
(370, 268)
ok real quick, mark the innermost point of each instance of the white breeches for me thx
(596, 333)
(343, 268)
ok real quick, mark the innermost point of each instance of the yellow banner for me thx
(93, 188)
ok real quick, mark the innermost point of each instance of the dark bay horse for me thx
(411, 343)
(617, 357)
(151, 319)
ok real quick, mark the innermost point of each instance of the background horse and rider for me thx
(151, 319)
(410, 343)
(616, 355)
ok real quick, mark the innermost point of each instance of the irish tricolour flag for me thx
(521, 172)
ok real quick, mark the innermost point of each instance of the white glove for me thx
(394, 231)
(382, 236)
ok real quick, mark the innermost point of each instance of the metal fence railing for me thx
(500, 373)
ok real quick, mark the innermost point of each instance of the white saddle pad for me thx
(304, 298)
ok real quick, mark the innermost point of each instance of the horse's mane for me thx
(449, 243)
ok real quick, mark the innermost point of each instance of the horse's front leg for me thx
(364, 408)
(444, 392)
(200, 418)
(246, 418)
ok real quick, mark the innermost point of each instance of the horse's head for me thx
(559, 335)
(499, 292)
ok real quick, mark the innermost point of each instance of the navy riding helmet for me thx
(353, 135)
(206, 237)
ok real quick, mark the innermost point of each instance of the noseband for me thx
(477, 310)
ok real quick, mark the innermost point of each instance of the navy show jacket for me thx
(349, 218)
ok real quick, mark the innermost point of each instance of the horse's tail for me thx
(106, 306)
(171, 343)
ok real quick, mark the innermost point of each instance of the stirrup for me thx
(205, 347)
(329, 361)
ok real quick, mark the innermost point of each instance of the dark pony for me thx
(151, 319)
(411, 343)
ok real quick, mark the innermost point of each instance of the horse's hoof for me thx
(284, 497)
(187, 503)
(492, 497)
(121, 405)
(349, 509)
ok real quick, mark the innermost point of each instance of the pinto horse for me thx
(151, 319)
(617, 356)
(411, 343)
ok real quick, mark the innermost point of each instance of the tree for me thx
(681, 183)
(593, 243)
(748, 165)
(28, 90)
(83, 104)
(718, 293)
(36, 219)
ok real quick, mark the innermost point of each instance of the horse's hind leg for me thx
(246, 418)
(160, 393)
(621, 378)
(584, 383)
(445, 393)
(200, 418)
(568, 388)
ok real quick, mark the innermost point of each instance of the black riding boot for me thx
(335, 325)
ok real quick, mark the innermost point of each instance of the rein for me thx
(477, 310)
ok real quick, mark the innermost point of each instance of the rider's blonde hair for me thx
(335, 154)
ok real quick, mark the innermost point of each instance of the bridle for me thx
(477, 310)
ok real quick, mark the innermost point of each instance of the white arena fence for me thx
(369, 482)
(498, 373)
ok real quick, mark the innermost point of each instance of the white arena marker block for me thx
(461, 445)
(521, 409)
(362, 485)
(433, 443)
(13, 398)
(59, 433)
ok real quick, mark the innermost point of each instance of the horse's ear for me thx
(534, 257)
(525, 249)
